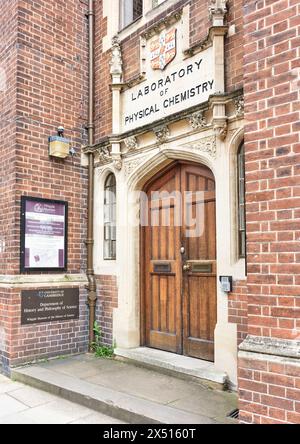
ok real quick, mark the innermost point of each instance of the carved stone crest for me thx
(163, 49)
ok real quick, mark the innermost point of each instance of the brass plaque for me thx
(162, 267)
(201, 268)
(49, 305)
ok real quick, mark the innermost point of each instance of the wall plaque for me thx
(182, 85)
(49, 305)
(43, 235)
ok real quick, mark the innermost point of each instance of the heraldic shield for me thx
(163, 49)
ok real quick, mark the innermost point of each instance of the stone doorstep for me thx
(122, 406)
(184, 367)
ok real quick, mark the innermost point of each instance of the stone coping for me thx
(16, 281)
(272, 346)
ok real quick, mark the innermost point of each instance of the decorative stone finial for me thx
(217, 11)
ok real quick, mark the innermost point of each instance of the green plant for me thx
(100, 350)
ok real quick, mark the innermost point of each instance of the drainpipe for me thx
(92, 293)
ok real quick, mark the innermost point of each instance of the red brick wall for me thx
(45, 56)
(8, 65)
(108, 300)
(271, 77)
(269, 391)
(19, 344)
(238, 309)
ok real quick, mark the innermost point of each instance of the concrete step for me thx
(124, 407)
(129, 393)
(184, 367)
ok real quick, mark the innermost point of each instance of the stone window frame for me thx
(241, 210)
(111, 11)
(109, 223)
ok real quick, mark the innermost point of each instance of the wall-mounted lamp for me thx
(59, 146)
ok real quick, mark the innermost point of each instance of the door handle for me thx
(186, 267)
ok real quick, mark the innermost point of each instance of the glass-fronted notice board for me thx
(44, 228)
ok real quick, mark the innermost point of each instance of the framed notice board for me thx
(44, 232)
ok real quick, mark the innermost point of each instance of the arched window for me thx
(110, 217)
(241, 201)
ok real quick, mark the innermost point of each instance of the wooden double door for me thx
(179, 302)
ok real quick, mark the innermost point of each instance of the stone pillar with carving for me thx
(217, 11)
(116, 71)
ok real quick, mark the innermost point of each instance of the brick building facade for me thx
(248, 54)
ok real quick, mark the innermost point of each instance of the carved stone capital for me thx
(107, 157)
(116, 63)
(104, 154)
(217, 11)
(131, 143)
(117, 163)
(197, 120)
(162, 133)
(220, 128)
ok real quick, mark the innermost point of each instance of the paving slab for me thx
(27, 405)
(129, 393)
(9, 406)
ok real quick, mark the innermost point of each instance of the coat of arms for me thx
(163, 49)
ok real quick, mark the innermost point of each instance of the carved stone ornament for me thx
(197, 120)
(131, 143)
(217, 10)
(221, 129)
(162, 133)
(116, 62)
(131, 165)
(117, 163)
(239, 104)
(106, 157)
(207, 145)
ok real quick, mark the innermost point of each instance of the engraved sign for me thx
(182, 85)
(49, 305)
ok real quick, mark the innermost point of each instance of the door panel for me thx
(199, 278)
(162, 267)
(180, 306)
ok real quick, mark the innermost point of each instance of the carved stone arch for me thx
(145, 170)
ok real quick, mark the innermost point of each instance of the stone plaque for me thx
(49, 305)
(182, 85)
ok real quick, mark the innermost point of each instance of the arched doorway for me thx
(178, 252)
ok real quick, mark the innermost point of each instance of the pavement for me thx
(21, 404)
(125, 391)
